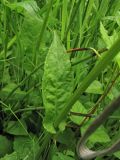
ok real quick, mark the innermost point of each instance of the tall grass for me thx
(26, 33)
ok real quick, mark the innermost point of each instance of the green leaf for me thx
(79, 108)
(57, 82)
(62, 125)
(12, 156)
(117, 154)
(28, 38)
(26, 148)
(61, 156)
(6, 78)
(18, 94)
(118, 18)
(35, 98)
(117, 59)
(52, 151)
(113, 38)
(100, 135)
(113, 93)
(61, 138)
(15, 128)
(7, 147)
(105, 36)
(30, 7)
(95, 88)
(109, 40)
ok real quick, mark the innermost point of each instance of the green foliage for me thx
(6, 146)
(40, 83)
(27, 7)
(25, 147)
(109, 40)
(16, 128)
(18, 94)
(61, 156)
(100, 135)
(57, 73)
(117, 154)
(12, 156)
(61, 138)
(78, 108)
(95, 88)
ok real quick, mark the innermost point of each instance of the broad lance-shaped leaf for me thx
(57, 82)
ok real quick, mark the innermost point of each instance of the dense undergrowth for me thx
(48, 94)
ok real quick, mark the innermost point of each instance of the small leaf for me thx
(15, 128)
(114, 93)
(61, 156)
(61, 138)
(105, 36)
(117, 154)
(12, 156)
(117, 59)
(57, 82)
(79, 108)
(18, 94)
(30, 7)
(25, 147)
(95, 88)
(109, 40)
(62, 125)
(7, 147)
(118, 18)
(28, 38)
(100, 135)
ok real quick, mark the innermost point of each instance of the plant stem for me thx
(47, 137)
(101, 98)
(82, 114)
(100, 66)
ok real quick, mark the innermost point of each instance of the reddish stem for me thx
(77, 49)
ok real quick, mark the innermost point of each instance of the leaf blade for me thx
(57, 82)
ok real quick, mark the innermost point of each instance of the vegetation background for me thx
(48, 97)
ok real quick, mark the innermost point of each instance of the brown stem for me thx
(101, 98)
(85, 49)
(88, 57)
(82, 114)
(77, 49)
